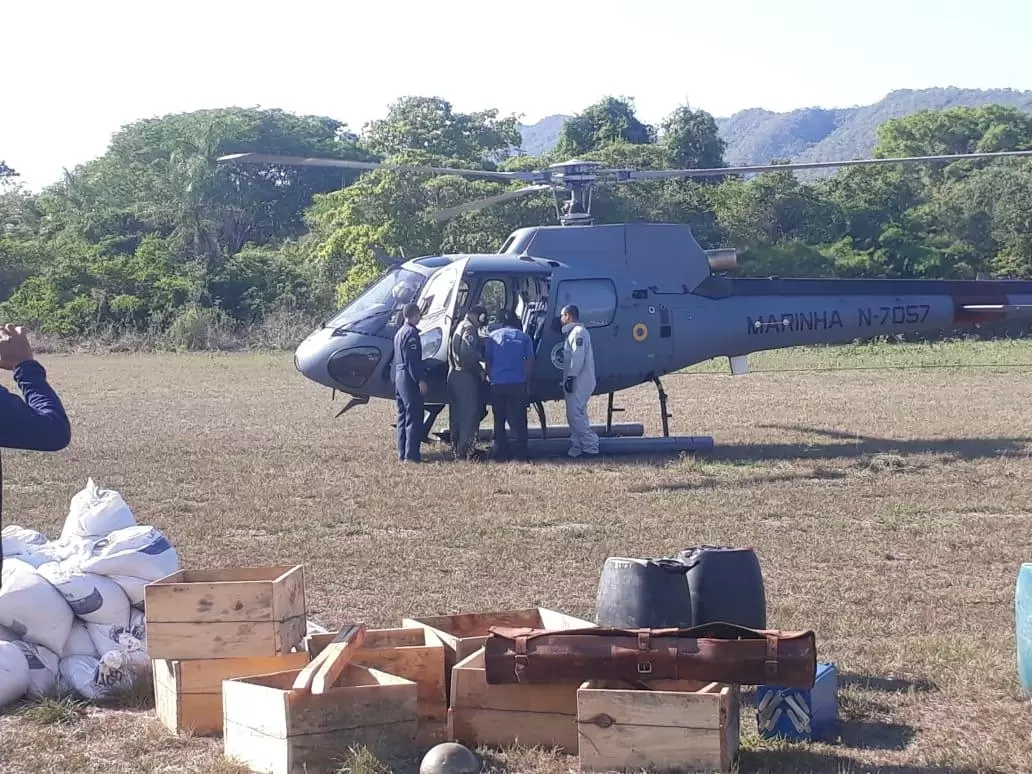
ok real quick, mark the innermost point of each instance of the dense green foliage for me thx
(155, 236)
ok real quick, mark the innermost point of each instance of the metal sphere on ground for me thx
(449, 758)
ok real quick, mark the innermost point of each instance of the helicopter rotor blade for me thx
(660, 174)
(267, 158)
(451, 212)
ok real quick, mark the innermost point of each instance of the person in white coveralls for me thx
(578, 381)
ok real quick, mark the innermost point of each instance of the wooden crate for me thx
(501, 715)
(188, 694)
(237, 612)
(415, 654)
(463, 635)
(678, 724)
(273, 730)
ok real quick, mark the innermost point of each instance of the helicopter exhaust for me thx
(722, 258)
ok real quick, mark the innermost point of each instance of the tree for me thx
(692, 139)
(608, 121)
(430, 125)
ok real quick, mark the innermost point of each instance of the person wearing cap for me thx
(465, 380)
(409, 385)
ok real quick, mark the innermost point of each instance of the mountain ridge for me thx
(757, 135)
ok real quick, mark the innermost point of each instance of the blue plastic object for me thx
(1023, 625)
(799, 715)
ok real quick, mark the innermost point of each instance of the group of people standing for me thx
(492, 370)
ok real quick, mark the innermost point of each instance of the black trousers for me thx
(509, 405)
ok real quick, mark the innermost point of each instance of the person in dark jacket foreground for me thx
(37, 423)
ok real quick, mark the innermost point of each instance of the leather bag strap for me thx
(770, 665)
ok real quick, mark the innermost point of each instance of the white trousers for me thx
(582, 437)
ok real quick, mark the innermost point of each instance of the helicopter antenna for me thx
(577, 178)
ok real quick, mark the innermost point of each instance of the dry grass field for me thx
(889, 509)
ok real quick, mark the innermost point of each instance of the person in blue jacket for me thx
(38, 422)
(409, 385)
(509, 356)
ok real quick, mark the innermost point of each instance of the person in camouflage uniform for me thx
(465, 383)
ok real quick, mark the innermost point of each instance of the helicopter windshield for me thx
(375, 311)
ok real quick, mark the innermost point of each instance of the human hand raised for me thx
(14, 346)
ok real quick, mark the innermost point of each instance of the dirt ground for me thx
(889, 509)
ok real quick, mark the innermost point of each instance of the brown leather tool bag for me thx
(712, 652)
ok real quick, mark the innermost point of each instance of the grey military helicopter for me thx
(653, 299)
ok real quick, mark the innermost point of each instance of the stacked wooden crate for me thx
(207, 626)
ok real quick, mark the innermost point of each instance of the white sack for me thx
(132, 644)
(32, 608)
(43, 666)
(93, 679)
(64, 549)
(132, 557)
(93, 598)
(14, 674)
(22, 543)
(96, 512)
(29, 537)
(79, 642)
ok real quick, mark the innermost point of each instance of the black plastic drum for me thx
(726, 585)
(643, 594)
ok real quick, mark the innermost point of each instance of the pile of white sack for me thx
(71, 609)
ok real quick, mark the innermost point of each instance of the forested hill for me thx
(755, 136)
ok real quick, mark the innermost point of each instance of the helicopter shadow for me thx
(849, 445)
(853, 445)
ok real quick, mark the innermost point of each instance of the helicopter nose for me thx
(337, 361)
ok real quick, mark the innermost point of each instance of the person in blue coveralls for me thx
(409, 385)
(509, 356)
(38, 422)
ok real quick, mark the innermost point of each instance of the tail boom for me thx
(777, 313)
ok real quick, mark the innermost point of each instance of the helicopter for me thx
(653, 300)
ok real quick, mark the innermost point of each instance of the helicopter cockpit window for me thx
(595, 299)
(375, 311)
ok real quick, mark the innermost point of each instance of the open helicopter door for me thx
(438, 302)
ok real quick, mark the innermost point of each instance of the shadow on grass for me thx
(798, 761)
(885, 684)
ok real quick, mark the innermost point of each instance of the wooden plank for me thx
(237, 639)
(331, 661)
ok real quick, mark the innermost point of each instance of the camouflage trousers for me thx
(465, 411)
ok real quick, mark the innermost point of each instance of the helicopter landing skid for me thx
(663, 413)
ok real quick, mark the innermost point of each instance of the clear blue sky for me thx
(75, 72)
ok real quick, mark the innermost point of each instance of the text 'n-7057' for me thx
(866, 317)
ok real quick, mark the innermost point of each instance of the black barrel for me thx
(726, 585)
(643, 594)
